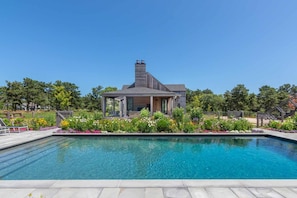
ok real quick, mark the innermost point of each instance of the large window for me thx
(130, 104)
(164, 105)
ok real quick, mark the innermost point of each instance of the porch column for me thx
(103, 106)
(151, 104)
(121, 108)
(170, 105)
(125, 106)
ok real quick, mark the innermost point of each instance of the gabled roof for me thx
(176, 87)
(139, 91)
(171, 87)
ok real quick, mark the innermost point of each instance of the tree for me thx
(253, 102)
(73, 90)
(14, 91)
(211, 102)
(62, 97)
(239, 97)
(267, 98)
(92, 101)
(3, 97)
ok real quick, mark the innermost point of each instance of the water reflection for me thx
(146, 151)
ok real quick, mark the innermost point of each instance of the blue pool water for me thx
(150, 157)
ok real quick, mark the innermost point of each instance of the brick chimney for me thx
(140, 74)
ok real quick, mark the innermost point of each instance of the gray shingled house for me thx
(146, 92)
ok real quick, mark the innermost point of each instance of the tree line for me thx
(32, 94)
(239, 98)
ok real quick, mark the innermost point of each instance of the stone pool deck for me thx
(141, 188)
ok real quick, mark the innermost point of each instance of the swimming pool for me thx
(148, 157)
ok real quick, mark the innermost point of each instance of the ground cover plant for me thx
(288, 125)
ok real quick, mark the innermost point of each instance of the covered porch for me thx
(135, 99)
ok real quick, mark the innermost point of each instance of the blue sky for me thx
(213, 44)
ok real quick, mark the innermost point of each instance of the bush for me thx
(65, 124)
(81, 123)
(196, 113)
(211, 124)
(163, 124)
(189, 127)
(146, 125)
(36, 123)
(50, 119)
(158, 115)
(288, 124)
(226, 125)
(275, 124)
(145, 113)
(242, 125)
(98, 116)
(178, 116)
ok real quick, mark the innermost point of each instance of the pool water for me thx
(148, 157)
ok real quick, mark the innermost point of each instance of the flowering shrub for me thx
(65, 124)
(36, 123)
(80, 124)
(146, 125)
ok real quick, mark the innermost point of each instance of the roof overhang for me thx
(139, 91)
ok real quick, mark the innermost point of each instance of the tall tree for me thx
(92, 101)
(62, 97)
(14, 93)
(73, 90)
(267, 98)
(239, 97)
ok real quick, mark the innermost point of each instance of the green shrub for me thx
(158, 115)
(163, 124)
(50, 119)
(178, 116)
(145, 113)
(226, 125)
(81, 123)
(211, 124)
(275, 124)
(196, 113)
(146, 125)
(129, 125)
(189, 127)
(98, 115)
(242, 125)
(288, 124)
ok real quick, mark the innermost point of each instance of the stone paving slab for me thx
(215, 191)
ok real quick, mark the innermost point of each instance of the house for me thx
(146, 92)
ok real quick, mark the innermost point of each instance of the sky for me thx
(213, 44)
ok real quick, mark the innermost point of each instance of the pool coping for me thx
(151, 183)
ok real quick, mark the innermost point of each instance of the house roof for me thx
(171, 87)
(139, 91)
(176, 87)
